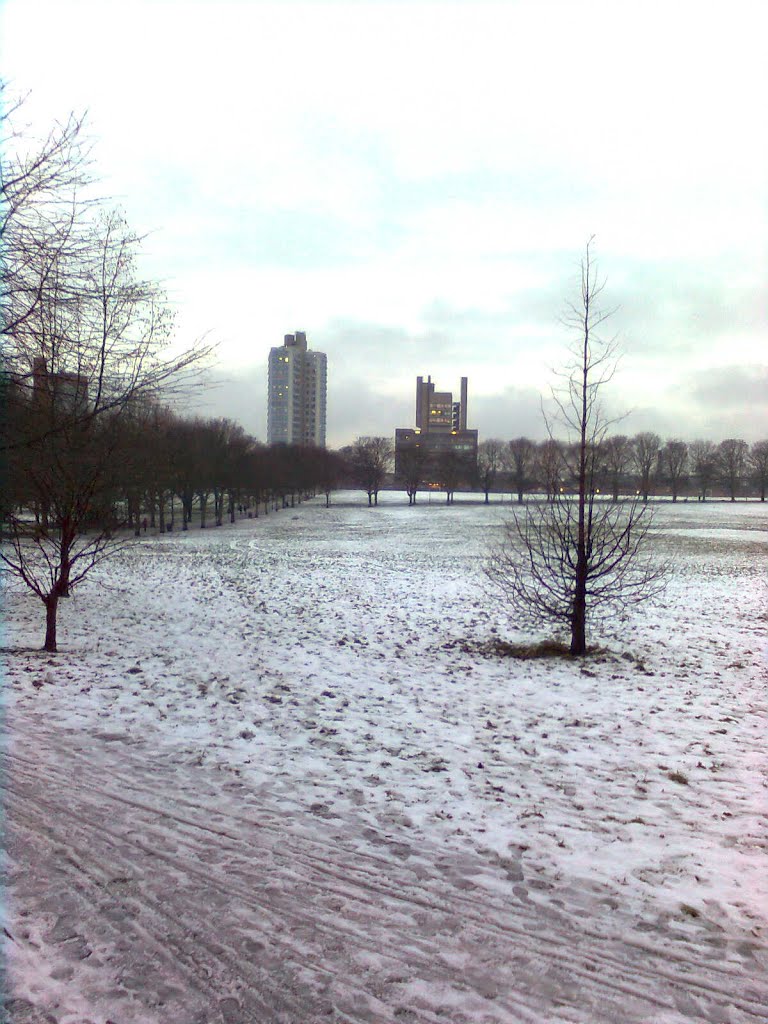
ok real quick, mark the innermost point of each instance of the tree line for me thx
(643, 465)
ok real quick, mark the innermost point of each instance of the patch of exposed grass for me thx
(529, 652)
(541, 650)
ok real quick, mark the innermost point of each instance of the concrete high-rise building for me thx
(441, 427)
(296, 395)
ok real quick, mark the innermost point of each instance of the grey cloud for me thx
(515, 412)
(716, 403)
(238, 395)
(733, 388)
(355, 409)
(371, 349)
(662, 312)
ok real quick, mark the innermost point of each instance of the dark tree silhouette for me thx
(732, 464)
(490, 461)
(449, 469)
(412, 467)
(615, 456)
(520, 459)
(674, 463)
(703, 460)
(645, 455)
(550, 467)
(370, 459)
(757, 461)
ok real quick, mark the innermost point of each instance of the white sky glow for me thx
(413, 185)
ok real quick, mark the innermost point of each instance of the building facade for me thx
(59, 391)
(297, 388)
(441, 432)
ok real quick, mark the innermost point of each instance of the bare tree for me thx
(550, 467)
(520, 458)
(370, 459)
(412, 466)
(674, 462)
(330, 470)
(615, 455)
(758, 465)
(42, 183)
(490, 455)
(448, 469)
(703, 460)
(570, 559)
(65, 517)
(645, 454)
(95, 344)
(732, 464)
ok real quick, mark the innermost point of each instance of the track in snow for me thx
(144, 891)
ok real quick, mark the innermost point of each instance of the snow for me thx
(275, 774)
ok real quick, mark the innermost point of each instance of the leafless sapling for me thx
(576, 558)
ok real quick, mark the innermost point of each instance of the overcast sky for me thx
(412, 184)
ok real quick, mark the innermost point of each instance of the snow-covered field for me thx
(275, 774)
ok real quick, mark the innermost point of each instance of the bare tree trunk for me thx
(579, 616)
(62, 584)
(186, 505)
(51, 609)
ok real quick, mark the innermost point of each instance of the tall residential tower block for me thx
(296, 399)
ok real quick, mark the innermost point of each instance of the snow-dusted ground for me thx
(274, 775)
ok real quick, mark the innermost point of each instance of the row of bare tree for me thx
(75, 485)
(643, 464)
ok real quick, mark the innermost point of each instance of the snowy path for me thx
(152, 903)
